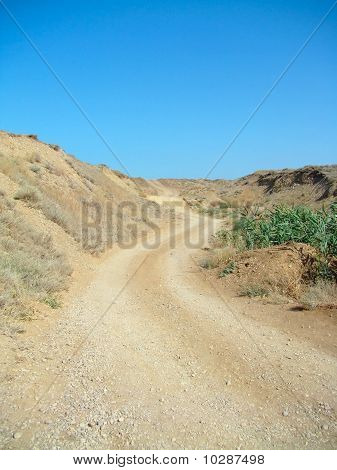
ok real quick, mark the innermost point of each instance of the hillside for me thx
(42, 244)
(311, 185)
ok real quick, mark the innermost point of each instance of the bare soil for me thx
(283, 269)
(154, 353)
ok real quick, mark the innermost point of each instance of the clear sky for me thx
(169, 83)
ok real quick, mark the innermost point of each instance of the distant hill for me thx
(310, 185)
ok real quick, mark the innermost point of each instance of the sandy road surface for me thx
(149, 355)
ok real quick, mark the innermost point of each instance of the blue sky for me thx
(169, 83)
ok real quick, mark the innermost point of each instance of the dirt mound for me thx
(284, 269)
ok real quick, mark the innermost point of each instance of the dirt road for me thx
(150, 355)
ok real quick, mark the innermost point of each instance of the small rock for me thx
(120, 419)
(325, 427)
(17, 435)
(285, 413)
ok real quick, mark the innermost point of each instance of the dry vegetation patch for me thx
(30, 268)
(321, 295)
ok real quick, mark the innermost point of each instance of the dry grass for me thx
(323, 294)
(30, 268)
(55, 183)
(34, 157)
(218, 257)
(35, 168)
(28, 194)
(52, 210)
(207, 263)
(222, 256)
(59, 215)
(84, 170)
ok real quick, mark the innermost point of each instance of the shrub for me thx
(222, 256)
(320, 295)
(83, 170)
(55, 147)
(50, 209)
(298, 224)
(35, 157)
(317, 228)
(30, 268)
(28, 194)
(35, 168)
(228, 269)
(254, 291)
(52, 302)
(207, 263)
(56, 214)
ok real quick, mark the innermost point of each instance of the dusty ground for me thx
(152, 354)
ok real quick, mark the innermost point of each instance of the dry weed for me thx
(323, 294)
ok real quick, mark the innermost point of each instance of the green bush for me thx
(285, 224)
(52, 302)
(317, 228)
(282, 224)
(254, 291)
(228, 269)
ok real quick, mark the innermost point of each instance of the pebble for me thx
(285, 413)
(17, 435)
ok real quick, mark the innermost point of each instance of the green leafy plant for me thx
(282, 224)
(254, 291)
(52, 302)
(299, 224)
(228, 269)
